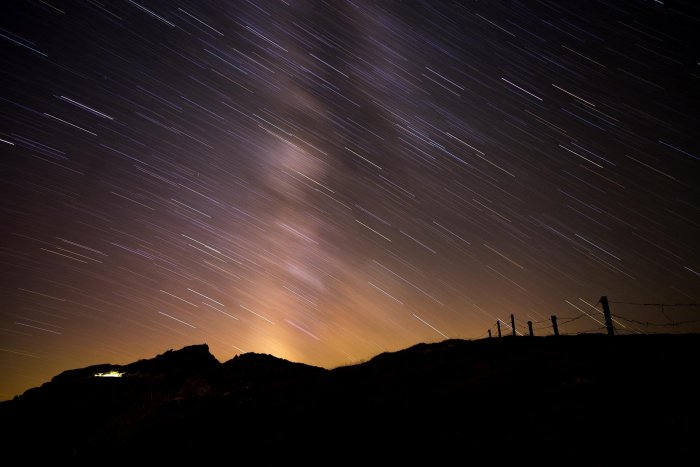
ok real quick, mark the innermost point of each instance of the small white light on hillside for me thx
(109, 374)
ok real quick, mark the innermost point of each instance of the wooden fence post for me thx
(498, 324)
(607, 315)
(554, 325)
(529, 326)
(512, 323)
(489, 333)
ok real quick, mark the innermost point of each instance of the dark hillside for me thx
(587, 397)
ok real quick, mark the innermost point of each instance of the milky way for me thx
(327, 181)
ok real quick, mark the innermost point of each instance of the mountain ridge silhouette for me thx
(449, 396)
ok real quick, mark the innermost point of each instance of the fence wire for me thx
(618, 320)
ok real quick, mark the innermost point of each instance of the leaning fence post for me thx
(607, 315)
(489, 333)
(554, 325)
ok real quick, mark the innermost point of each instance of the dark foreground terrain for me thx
(566, 400)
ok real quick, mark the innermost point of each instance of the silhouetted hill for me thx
(189, 360)
(575, 399)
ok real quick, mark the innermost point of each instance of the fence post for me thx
(489, 333)
(512, 323)
(607, 315)
(554, 325)
(498, 324)
(529, 326)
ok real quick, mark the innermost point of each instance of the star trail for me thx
(324, 181)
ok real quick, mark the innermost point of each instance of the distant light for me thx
(109, 374)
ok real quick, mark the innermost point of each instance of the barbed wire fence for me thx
(605, 320)
(670, 320)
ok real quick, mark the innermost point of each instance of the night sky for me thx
(325, 181)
